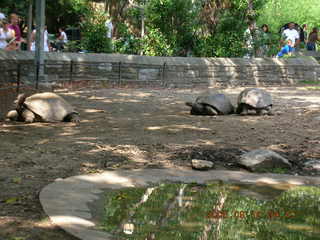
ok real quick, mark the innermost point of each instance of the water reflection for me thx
(213, 211)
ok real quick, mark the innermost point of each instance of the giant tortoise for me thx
(214, 104)
(254, 99)
(43, 107)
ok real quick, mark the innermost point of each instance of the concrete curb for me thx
(65, 201)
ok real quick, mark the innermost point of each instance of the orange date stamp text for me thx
(270, 214)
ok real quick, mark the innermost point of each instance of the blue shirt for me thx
(285, 50)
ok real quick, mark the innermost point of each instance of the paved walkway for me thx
(66, 200)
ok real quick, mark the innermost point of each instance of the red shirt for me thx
(16, 30)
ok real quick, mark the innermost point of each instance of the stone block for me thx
(149, 74)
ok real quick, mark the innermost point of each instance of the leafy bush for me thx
(72, 46)
(276, 13)
(127, 43)
(94, 32)
(175, 21)
(155, 44)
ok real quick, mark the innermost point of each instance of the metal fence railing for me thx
(22, 76)
(25, 76)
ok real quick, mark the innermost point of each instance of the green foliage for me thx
(184, 27)
(308, 82)
(276, 13)
(14, 6)
(127, 43)
(64, 13)
(94, 33)
(228, 44)
(155, 44)
(227, 39)
(203, 28)
(72, 46)
(60, 13)
(215, 210)
(177, 22)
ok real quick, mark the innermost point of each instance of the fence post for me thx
(37, 74)
(163, 72)
(119, 80)
(71, 72)
(18, 77)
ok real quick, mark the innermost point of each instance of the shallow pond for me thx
(214, 210)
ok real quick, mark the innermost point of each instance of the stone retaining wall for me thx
(164, 71)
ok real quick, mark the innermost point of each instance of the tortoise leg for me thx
(72, 117)
(244, 110)
(269, 111)
(260, 112)
(12, 115)
(28, 116)
(239, 108)
(210, 111)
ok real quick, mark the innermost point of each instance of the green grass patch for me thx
(309, 82)
(314, 88)
(182, 211)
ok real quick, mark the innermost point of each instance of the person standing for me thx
(312, 39)
(264, 41)
(14, 25)
(304, 34)
(5, 35)
(109, 27)
(2, 16)
(249, 40)
(292, 34)
(62, 39)
(45, 39)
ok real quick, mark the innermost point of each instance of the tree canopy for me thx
(276, 13)
(211, 28)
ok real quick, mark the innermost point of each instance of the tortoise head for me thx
(20, 100)
(20, 106)
(190, 104)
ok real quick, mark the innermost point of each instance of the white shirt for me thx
(45, 39)
(248, 38)
(109, 26)
(64, 37)
(2, 16)
(291, 34)
(4, 36)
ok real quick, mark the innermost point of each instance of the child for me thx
(286, 49)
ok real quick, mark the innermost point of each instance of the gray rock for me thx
(201, 164)
(263, 160)
(312, 165)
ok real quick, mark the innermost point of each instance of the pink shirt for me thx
(16, 30)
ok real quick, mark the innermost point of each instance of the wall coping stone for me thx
(150, 60)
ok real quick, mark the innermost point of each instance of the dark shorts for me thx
(311, 46)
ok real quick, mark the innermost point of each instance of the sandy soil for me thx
(140, 128)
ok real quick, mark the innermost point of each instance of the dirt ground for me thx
(141, 128)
